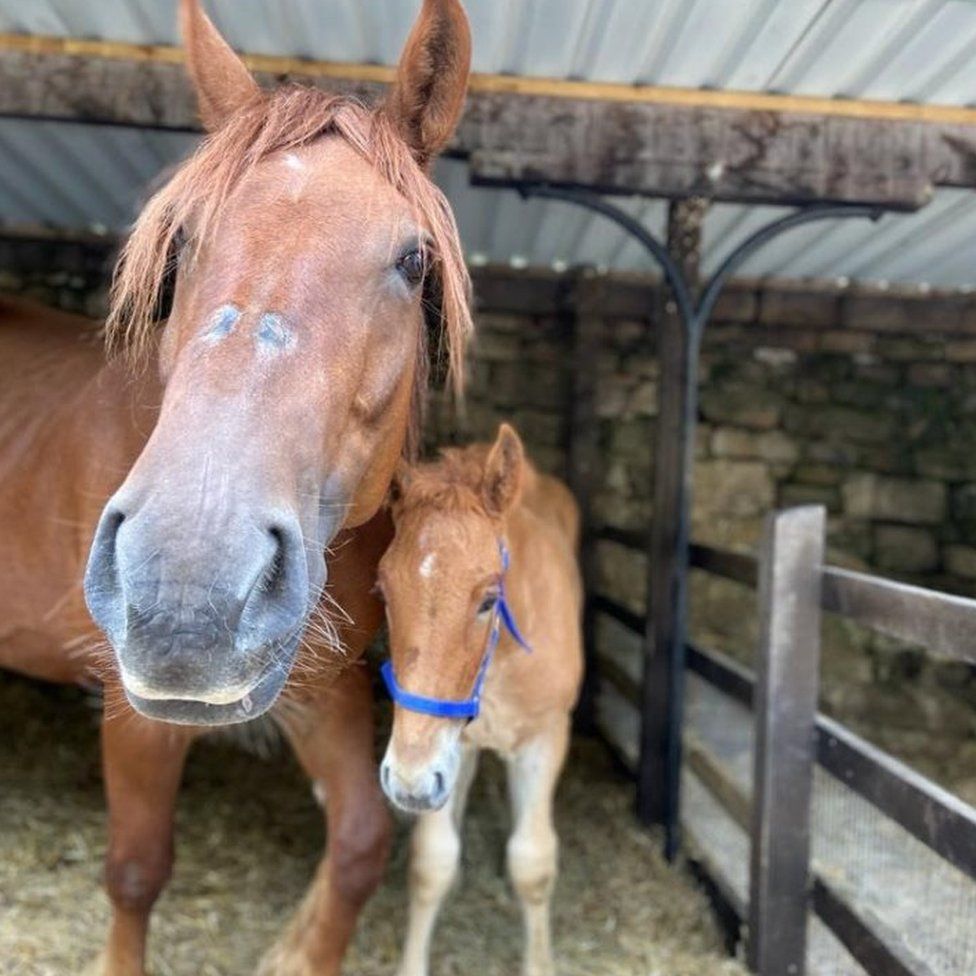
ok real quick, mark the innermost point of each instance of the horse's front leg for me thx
(333, 738)
(143, 765)
(532, 848)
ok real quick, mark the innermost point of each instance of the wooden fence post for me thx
(788, 679)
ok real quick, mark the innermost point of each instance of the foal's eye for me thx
(412, 266)
(487, 604)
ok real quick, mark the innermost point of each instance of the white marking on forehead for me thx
(273, 334)
(293, 162)
(221, 323)
(427, 565)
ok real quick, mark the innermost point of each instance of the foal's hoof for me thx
(99, 966)
(285, 960)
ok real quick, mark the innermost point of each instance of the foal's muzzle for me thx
(417, 787)
(205, 627)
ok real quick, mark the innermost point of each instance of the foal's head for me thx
(309, 241)
(440, 579)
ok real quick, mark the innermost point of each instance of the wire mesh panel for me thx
(722, 729)
(917, 901)
(916, 897)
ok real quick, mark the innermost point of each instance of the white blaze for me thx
(427, 565)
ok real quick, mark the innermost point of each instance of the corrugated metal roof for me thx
(920, 50)
(83, 176)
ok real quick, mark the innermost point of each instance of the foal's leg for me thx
(143, 764)
(532, 848)
(333, 738)
(434, 856)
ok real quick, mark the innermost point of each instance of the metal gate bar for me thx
(662, 693)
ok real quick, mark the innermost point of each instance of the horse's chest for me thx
(503, 724)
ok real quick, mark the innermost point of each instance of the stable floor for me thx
(250, 835)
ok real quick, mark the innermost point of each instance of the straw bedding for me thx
(250, 834)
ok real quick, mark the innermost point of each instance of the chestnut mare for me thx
(288, 377)
(484, 603)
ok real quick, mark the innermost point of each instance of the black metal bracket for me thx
(695, 316)
(659, 772)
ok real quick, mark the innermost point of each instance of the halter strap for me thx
(470, 707)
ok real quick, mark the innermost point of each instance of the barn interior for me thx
(837, 368)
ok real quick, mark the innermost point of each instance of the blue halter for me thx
(470, 707)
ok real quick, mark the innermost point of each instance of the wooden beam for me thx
(748, 101)
(738, 146)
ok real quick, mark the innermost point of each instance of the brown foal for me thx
(236, 482)
(448, 595)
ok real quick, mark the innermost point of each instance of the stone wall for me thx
(71, 275)
(862, 400)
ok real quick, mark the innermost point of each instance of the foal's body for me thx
(527, 697)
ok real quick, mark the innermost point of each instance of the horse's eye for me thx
(487, 604)
(412, 266)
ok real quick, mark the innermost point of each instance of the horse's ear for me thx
(502, 483)
(221, 80)
(400, 482)
(428, 95)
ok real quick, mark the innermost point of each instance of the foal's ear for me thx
(502, 484)
(401, 482)
(221, 80)
(431, 82)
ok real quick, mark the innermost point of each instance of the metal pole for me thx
(787, 685)
(660, 783)
(662, 688)
(578, 309)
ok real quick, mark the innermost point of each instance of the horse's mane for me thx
(452, 483)
(281, 120)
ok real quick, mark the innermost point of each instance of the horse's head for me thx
(307, 236)
(441, 579)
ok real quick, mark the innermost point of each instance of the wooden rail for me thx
(943, 623)
(873, 944)
(940, 622)
(941, 821)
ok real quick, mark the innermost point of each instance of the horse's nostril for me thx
(103, 587)
(385, 777)
(279, 594)
(438, 783)
(274, 573)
